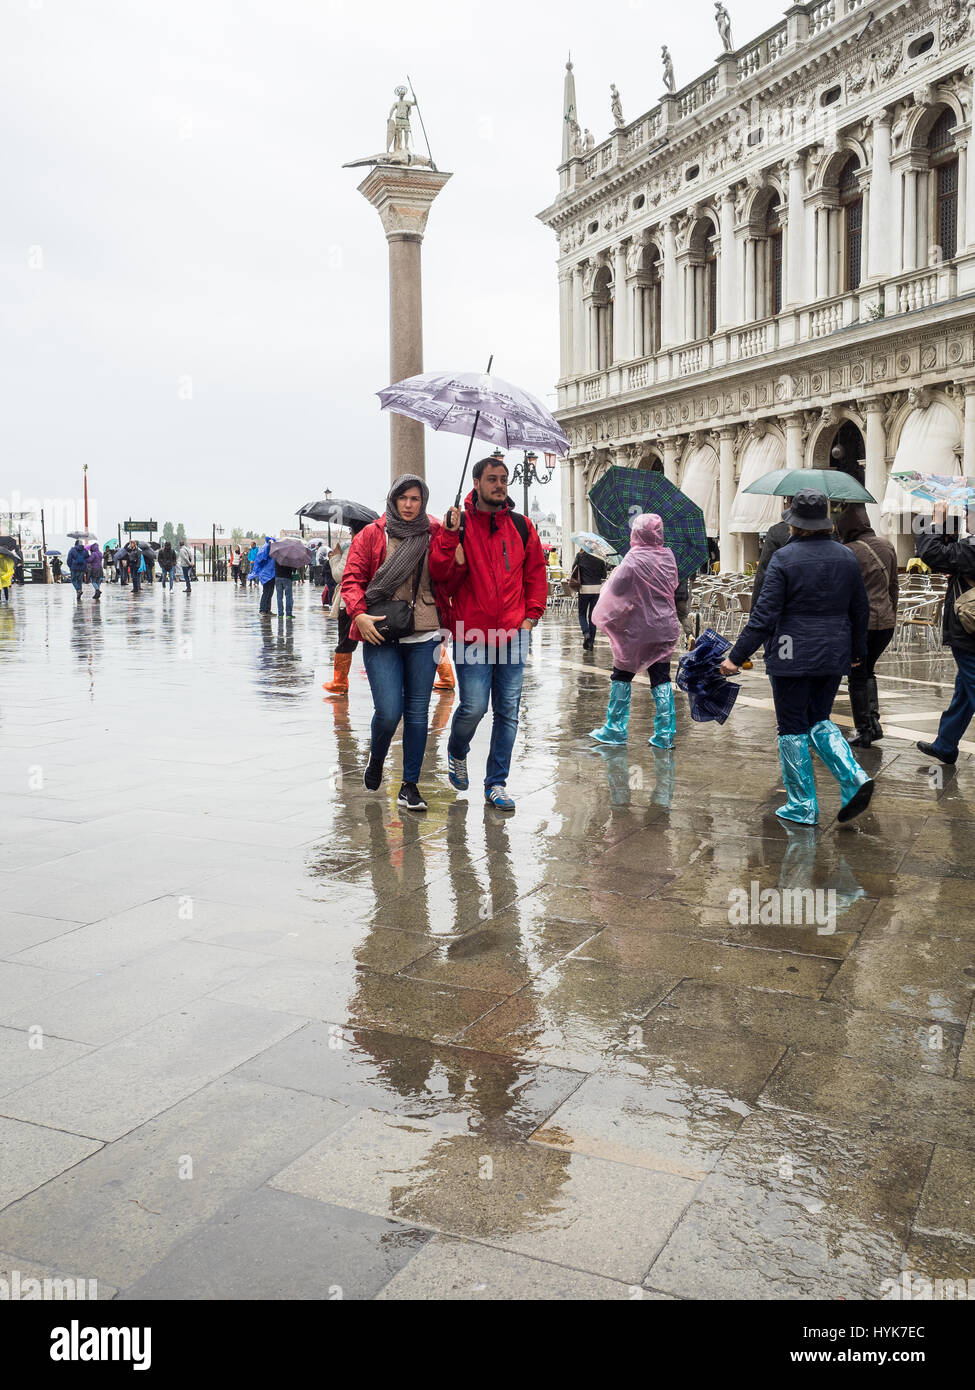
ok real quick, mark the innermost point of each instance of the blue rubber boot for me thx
(856, 787)
(665, 718)
(617, 715)
(798, 779)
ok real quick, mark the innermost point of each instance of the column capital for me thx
(874, 405)
(403, 196)
(727, 433)
(967, 388)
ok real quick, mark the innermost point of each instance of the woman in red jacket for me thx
(388, 560)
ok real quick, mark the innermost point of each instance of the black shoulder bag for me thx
(396, 617)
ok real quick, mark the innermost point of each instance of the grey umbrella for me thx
(291, 553)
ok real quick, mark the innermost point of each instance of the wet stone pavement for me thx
(263, 1035)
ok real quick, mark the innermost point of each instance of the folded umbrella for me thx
(623, 493)
(710, 695)
(338, 511)
(831, 482)
(291, 553)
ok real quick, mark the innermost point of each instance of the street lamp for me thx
(213, 551)
(528, 472)
(328, 521)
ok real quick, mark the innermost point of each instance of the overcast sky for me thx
(194, 294)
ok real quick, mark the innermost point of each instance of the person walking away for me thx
(637, 611)
(244, 566)
(389, 561)
(284, 590)
(167, 563)
(946, 554)
(877, 559)
(56, 568)
(77, 564)
(150, 565)
(185, 561)
(776, 537)
(135, 563)
(345, 649)
(263, 570)
(590, 572)
(96, 569)
(488, 562)
(812, 619)
(6, 577)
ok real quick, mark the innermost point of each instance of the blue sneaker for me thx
(457, 773)
(499, 799)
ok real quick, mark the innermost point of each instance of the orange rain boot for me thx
(339, 684)
(445, 672)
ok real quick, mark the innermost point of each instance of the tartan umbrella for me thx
(623, 493)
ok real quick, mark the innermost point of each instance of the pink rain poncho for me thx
(636, 607)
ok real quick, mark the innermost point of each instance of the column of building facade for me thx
(568, 524)
(622, 336)
(880, 222)
(968, 437)
(565, 324)
(794, 452)
(728, 266)
(670, 448)
(961, 145)
(581, 503)
(726, 497)
(795, 234)
(876, 462)
(970, 181)
(670, 332)
(578, 319)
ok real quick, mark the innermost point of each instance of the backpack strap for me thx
(520, 521)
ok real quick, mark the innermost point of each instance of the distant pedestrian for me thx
(149, 556)
(284, 589)
(185, 561)
(167, 563)
(946, 554)
(637, 611)
(6, 577)
(56, 568)
(77, 565)
(812, 619)
(387, 564)
(877, 559)
(96, 570)
(346, 645)
(263, 572)
(489, 561)
(589, 573)
(136, 565)
(235, 565)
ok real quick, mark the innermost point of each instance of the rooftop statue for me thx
(723, 20)
(669, 82)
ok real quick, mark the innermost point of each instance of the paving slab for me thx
(33, 1154)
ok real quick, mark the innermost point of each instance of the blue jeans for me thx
(285, 590)
(78, 580)
(489, 675)
(136, 581)
(186, 576)
(401, 681)
(167, 574)
(958, 715)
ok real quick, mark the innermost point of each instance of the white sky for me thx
(178, 163)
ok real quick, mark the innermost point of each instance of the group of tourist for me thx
(131, 563)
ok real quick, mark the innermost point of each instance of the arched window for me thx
(851, 206)
(602, 318)
(648, 298)
(943, 186)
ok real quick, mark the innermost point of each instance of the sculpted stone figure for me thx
(669, 82)
(588, 141)
(398, 133)
(723, 21)
(616, 106)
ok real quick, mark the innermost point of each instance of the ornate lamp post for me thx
(528, 473)
(328, 498)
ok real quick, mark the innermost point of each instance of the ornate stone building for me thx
(775, 267)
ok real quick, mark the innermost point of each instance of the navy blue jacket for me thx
(814, 596)
(77, 559)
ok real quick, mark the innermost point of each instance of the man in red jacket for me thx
(492, 564)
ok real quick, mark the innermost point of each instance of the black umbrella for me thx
(10, 554)
(147, 548)
(291, 553)
(339, 512)
(11, 544)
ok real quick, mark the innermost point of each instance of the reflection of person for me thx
(877, 559)
(637, 612)
(388, 561)
(946, 555)
(812, 619)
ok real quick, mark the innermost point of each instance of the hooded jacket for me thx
(501, 583)
(263, 568)
(877, 559)
(636, 608)
(77, 559)
(95, 568)
(366, 553)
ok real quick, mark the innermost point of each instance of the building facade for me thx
(775, 267)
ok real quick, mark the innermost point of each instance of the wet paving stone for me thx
(900, 970)
(455, 1086)
(524, 1198)
(796, 1210)
(886, 1042)
(947, 1206)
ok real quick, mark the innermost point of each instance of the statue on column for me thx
(398, 133)
(723, 20)
(616, 106)
(669, 82)
(588, 141)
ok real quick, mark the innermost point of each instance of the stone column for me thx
(621, 305)
(750, 286)
(968, 457)
(793, 441)
(403, 195)
(795, 252)
(822, 253)
(581, 509)
(962, 147)
(565, 323)
(876, 463)
(726, 475)
(566, 467)
(880, 224)
(909, 255)
(670, 449)
(728, 303)
(670, 290)
(578, 321)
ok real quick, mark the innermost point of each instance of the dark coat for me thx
(775, 538)
(877, 559)
(591, 569)
(956, 558)
(77, 559)
(814, 595)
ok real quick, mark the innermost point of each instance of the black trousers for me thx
(267, 593)
(877, 643)
(346, 645)
(587, 602)
(801, 702)
(659, 673)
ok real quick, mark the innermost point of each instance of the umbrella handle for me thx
(470, 446)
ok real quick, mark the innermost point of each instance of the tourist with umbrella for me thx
(389, 596)
(877, 559)
(55, 565)
(7, 560)
(637, 612)
(289, 557)
(96, 570)
(263, 572)
(77, 561)
(586, 579)
(135, 563)
(812, 619)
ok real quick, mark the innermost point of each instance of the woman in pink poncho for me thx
(636, 610)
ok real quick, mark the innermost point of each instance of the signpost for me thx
(135, 526)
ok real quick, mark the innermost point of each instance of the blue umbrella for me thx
(710, 695)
